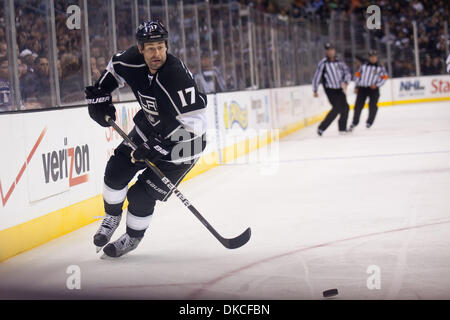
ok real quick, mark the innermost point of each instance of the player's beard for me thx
(156, 65)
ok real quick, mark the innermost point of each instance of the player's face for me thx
(155, 54)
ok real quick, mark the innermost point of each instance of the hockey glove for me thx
(99, 105)
(150, 150)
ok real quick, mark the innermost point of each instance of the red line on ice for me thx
(228, 274)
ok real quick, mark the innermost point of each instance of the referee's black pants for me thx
(363, 93)
(340, 107)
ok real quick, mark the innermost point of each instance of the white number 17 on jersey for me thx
(191, 92)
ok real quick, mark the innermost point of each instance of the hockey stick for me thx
(232, 243)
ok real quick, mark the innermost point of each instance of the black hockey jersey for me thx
(172, 107)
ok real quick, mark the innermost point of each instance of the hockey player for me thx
(369, 78)
(169, 131)
(335, 76)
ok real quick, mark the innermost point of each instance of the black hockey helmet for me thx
(328, 46)
(373, 52)
(151, 31)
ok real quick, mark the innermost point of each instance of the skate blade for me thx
(106, 257)
(98, 249)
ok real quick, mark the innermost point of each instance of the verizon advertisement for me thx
(58, 167)
(54, 159)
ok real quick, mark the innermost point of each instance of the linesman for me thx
(369, 78)
(335, 76)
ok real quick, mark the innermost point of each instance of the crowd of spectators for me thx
(34, 72)
(33, 32)
(430, 16)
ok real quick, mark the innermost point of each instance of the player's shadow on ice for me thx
(156, 259)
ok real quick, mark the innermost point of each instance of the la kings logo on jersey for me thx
(149, 105)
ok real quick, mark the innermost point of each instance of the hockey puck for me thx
(330, 293)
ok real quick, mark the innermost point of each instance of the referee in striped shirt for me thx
(335, 76)
(369, 78)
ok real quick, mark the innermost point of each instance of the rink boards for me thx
(52, 163)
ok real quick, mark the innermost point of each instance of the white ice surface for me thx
(336, 205)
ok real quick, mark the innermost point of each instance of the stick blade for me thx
(237, 242)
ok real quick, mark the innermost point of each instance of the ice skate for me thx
(121, 246)
(350, 129)
(106, 230)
